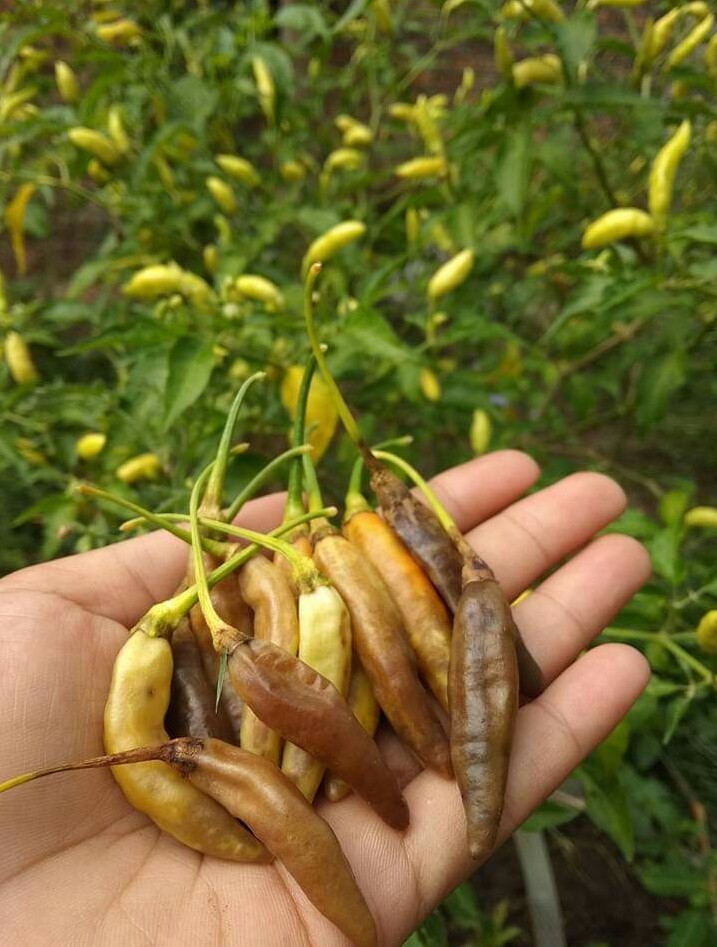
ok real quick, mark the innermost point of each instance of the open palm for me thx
(81, 867)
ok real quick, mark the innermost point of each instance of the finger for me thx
(123, 580)
(534, 534)
(563, 615)
(485, 485)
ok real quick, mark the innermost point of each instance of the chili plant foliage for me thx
(168, 171)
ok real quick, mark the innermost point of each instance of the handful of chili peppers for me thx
(261, 679)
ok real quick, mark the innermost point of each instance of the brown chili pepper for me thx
(363, 703)
(265, 589)
(192, 710)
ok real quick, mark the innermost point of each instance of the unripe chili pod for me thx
(480, 431)
(66, 81)
(543, 70)
(90, 445)
(292, 171)
(449, 276)
(502, 53)
(265, 87)
(121, 32)
(15, 220)
(430, 385)
(154, 281)
(693, 39)
(115, 126)
(417, 169)
(321, 414)
(707, 632)
(222, 194)
(664, 169)
(239, 168)
(263, 290)
(335, 239)
(617, 225)
(19, 360)
(96, 143)
(701, 516)
(142, 467)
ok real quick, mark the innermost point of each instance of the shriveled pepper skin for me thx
(362, 701)
(134, 713)
(307, 709)
(381, 644)
(192, 705)
(425, 617)
(266, 590)
(483, 692)
(254, 790)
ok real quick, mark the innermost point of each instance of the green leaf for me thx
(659, 383)
(191, 100)
(463, 909)
(372, 335)
(304, 19)
(355, 9)
(576, 37)
(548, 816)
(702, 233)
(676, 710)
(607, 806)
(673, 505)
(692, 929)
(611, 752)
(664, 550)
(675, 878)
(190, 365)
(512, 176)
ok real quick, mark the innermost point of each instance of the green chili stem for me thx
(295, 499)
(213, 495)
(355, 500)
(264, 474)
(444, 517)
(209, 545)
(343, 409)
(311, 482)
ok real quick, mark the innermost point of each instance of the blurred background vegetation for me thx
(601, 358)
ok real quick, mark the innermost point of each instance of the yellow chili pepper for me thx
(321, 414)
(347, 159)
(413, 226)
(265, 87)
(292, 171)
(164, 170)
(120, 32)
(11, 104)
(15, 221)
(96, 143)
(701, 516)
(31, 454)
(502, 53)
(142, 467)
(663, 172)
(263, 290)
(19, 360)
(711, 57)
(115, 126)
(97, 171)
(153, 281)
(382, 12)
(222, 194)
(468, 78)
(90, 445)
(451, 274)
(329, 243)
(239, 168)
(693, 39)
(545, 9)
(195, 288)
(210, 257)
(480, 432)
(358, 136)
(662, 32)
(401, 111)
(418, 169)
(450, 5)
(430, 385)
(624, 4)
(66, 81)
(545, 70)
(707, 632)
(697, 9)
(617, 225)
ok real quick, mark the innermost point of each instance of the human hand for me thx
(81, 866)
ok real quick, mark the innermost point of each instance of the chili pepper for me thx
(115, 126)
(449, 276)
(468, 79)
(97, 171)
(261, 289)
(357, 135)
(136, 704)
(429, 384)
(90, 445)
(547, 9)
(142, 467)
(96, 143)
(701, 516)
(618, 4)
(348, 159)
(616, 225)
(154, 281)
(711, 57)
(120, 32)
(663, 172)
(707, 632)
(239, 168)
(30, 453)
(292, 171)
(480, 431)
(413, 226)
(210, 258)
(417, 169)
(503, 54)
(11, 104)
(425, 617)
(402, 111)
(19, 359)
(425, 121)
(222, 194)
(66, 81)
(255, 791)
(543, 70)
(265, 87)
(321, 415)
(335, 239)
(364, 706)
(662, 32)
(698, 9)
(266, 590)
(15, 221)
(693, 39)
(192, 711)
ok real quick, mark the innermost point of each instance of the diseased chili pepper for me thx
(255, 791)
(96, 143)
(66, 81)
(364, 706)
(240, 169)
(425, 617)
(19, 359)
(619, 224)
(664, 170)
